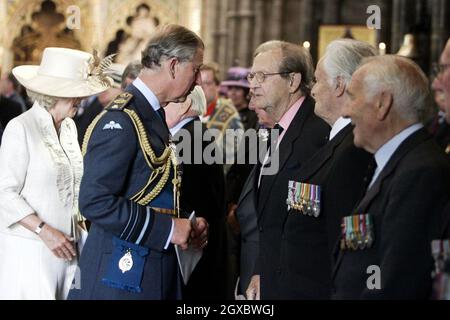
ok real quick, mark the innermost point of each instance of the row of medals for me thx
(307, 207)
(357, 232)
(304, 198)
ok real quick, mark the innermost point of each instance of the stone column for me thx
(209, 27)
(331, 12)
(98, 10)
(306, 17)
(222, 34)
(275, 19)
(232, 15)
(439, 33)
(246, 15)
(403, 16)
(259, 24)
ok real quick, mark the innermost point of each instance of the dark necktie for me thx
(162, 115)
(369, 175)
(273, 142)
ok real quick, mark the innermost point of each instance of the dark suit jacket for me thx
(9, 109)
(445, 234)
(246, 215)
(339, 168)
(114, 171)
(203, 191)
(406, 203)
(89, 114)
(304, 137)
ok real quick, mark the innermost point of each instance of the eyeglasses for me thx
(439, 68)
(261, 76)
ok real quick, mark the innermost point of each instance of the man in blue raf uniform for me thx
(130, 187)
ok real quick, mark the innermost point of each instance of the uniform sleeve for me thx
(107, 171)
(14, 159)
(409, 222)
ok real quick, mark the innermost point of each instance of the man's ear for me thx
(173, 62)
(340, 87)
(294, 83)
(384, 104)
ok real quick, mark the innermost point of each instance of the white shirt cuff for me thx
(170, 236)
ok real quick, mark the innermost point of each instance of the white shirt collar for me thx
(180, 125)
(340, 124)
(385, 153)
(148, 94)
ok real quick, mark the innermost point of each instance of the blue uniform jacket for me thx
(114, 171)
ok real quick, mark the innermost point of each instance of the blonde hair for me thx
(47, 102)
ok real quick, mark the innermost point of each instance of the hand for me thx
(199, 234)
(232, 219)
(59, 243)
(181, 232)
(253, 290)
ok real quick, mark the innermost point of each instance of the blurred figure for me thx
(9, 109)
(441, 87)
(10, 89)
(202, 191)
(130, 73)
(237, 87)
(93, 106)
(221, 115)
(40, 172)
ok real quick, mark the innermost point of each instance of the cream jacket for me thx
(39, 173)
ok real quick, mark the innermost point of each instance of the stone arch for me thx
(19, 16)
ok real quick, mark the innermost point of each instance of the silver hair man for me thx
(333, 74)
(387, 94)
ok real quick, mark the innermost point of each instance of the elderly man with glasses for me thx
(280, 82)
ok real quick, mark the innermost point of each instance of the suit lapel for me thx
(323, 155)
(410, 143)
(151, 120)
(407, 145)
(285, 150)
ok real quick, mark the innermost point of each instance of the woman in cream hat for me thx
(40, 172)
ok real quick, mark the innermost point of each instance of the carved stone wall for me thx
(100, 20)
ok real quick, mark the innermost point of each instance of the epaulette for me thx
(120, 102)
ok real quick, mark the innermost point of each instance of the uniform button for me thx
(260, 229)
(278, 271)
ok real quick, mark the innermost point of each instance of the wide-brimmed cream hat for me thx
(66, 73)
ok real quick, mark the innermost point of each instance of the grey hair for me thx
(171, 41)
(295, 59)
(198, 100)
(131, 71)
(404, 79)
(342, 58)
(47, 102)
